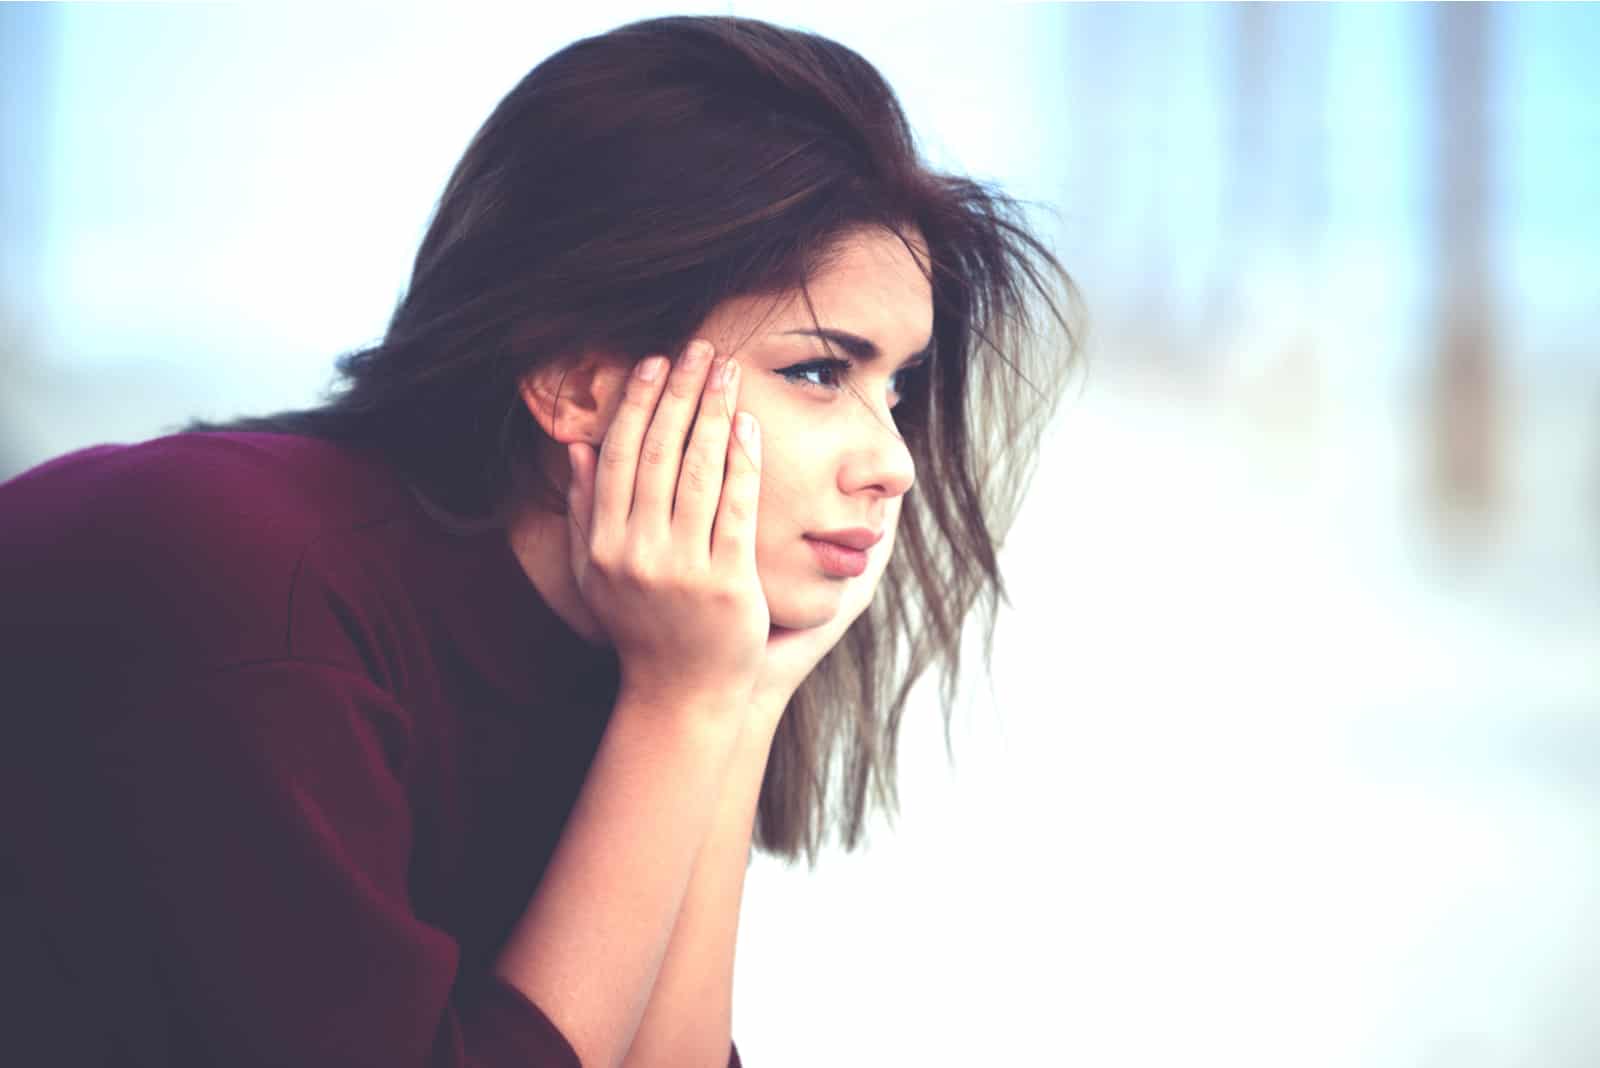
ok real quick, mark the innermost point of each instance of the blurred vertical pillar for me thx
(1152, 279)
(1463, 420)
(1115, 86)
(1248, 188)
(1246, 318)
(1268, 294)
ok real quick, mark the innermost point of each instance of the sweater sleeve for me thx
(226, 878)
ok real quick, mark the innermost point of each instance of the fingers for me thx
(699, 485)
(612, 480)
(734, 535)
(645, 483)
(659, 462)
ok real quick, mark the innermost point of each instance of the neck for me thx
(542, 544)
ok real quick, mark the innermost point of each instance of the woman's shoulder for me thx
(218, 499)
(183, 478)
(192, 542)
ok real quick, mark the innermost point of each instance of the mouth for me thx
(838, 560)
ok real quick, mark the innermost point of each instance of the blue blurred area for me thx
(1294, 751)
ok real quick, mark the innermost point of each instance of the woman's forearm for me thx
(689, 1019)
(589, 947)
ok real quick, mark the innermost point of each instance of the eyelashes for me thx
(830, 367)
(832, 370)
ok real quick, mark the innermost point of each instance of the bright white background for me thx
(1276, 769)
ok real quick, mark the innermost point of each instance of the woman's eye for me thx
(828, 373)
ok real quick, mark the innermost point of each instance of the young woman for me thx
(433, 725)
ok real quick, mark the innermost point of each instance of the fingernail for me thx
(650, 370)
(730, 370)
(698, 352)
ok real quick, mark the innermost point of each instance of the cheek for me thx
(790, 486)
(778, 529)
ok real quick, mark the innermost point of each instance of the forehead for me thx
(870, 285)
(872, 282)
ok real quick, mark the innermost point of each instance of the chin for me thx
(803, 612)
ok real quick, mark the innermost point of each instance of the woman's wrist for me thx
(719, 710)
(764, 713)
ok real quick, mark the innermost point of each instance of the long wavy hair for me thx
(627, 186)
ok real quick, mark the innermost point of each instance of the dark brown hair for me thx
(626, 187)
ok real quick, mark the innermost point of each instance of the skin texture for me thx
(831, 457)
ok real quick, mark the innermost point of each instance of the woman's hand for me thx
(663, 548)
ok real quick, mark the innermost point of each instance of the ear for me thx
(574, 400)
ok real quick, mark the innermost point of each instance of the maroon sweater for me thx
(283, 763)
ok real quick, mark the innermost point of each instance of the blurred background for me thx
(1292, 752)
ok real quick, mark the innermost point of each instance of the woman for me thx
(434, 725)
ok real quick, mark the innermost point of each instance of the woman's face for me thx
(832, 459)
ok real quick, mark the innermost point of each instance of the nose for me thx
(877, 461)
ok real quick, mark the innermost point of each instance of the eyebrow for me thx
(859, 347)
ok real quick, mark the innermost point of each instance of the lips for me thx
(838, 560)
(858, 538)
